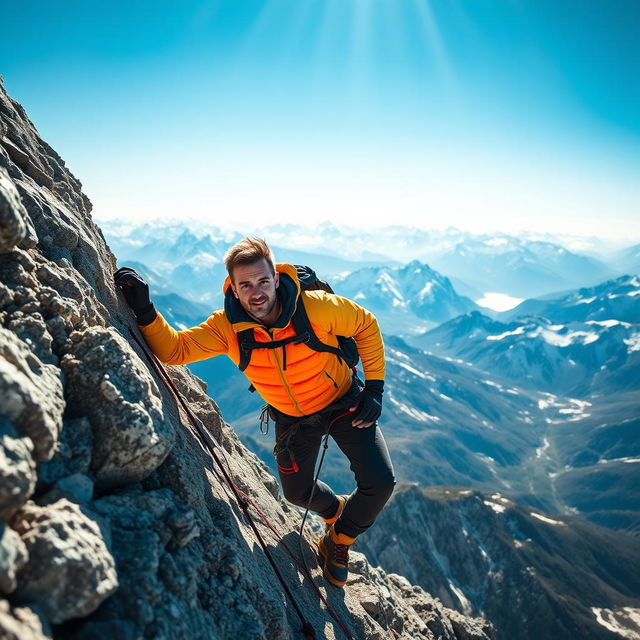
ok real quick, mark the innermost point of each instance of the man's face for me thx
(255, 287)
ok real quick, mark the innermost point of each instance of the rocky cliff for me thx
(114, 520)
(533, 576)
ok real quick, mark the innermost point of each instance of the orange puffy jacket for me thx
(311, 380)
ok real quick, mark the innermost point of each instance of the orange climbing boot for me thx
(334, 550)
(342, 501)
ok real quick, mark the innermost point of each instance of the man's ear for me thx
(277, 278)
(233, 288)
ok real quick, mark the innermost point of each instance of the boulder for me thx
(17, 469)
(13, 556)
(21, 623)
(70, 571)
(31, 395)
(108, 383)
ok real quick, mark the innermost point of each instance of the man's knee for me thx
(385, 486)
(296, 494)
(381, 486)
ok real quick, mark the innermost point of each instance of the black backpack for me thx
(346, 349)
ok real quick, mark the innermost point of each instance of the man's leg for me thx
(367, 452)
(297, 479)
(370, 462)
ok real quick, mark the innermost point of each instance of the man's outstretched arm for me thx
(170, 346)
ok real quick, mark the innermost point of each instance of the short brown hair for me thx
(248, 251)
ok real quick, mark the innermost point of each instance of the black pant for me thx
(297, 446)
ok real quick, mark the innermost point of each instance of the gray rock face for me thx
(108, 384)
(15, 223)
(30, 394)
(17, 469)
(69, 571)
(13, 556)
(21, 623)
(158, 548)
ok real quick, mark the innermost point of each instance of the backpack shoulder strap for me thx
(302, 327)
(245, 338)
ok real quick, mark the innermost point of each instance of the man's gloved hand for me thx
(136, 293)
(370, 404)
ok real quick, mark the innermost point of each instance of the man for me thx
(308, 391)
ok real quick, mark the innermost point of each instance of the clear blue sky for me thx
(520, 114)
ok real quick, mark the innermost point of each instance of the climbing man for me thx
(287, 340)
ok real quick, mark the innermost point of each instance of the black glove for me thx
(370, 404)
(136, 293)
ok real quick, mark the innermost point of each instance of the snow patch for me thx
(425, 291)
(501, 336)
(627, 460)
(416, 414)
(542, 451)
(633, 343)
(548, 520)
(464, 602)
(624, 621)
(551, 335)
(608, 323)
(498, 508)
(496, 242)
(415, 372)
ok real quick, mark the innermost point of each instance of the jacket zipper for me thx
(284, 380)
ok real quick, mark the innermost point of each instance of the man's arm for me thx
(190, 345)
(170, 346)
(343, 317)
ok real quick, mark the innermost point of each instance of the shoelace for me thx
(341, 553)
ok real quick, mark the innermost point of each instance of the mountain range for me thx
(522, 266)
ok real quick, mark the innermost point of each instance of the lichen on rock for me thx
(15, 224)
(30, 394)
(107, 383)
(70, 571)
(13, 556)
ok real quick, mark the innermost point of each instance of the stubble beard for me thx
(263, 312)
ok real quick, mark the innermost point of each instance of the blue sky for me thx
(521, 114)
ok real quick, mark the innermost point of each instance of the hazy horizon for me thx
(575, 241)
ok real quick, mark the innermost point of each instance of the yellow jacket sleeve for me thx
(182, 347)
(343, 317)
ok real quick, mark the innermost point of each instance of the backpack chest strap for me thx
(247, 344)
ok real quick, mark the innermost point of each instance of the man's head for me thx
(254, 280)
